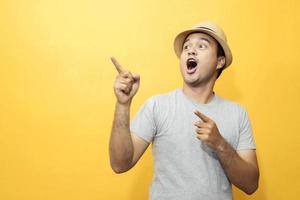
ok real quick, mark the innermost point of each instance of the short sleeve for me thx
(246, 140)
(143, 124)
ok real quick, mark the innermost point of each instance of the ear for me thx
(221, 62)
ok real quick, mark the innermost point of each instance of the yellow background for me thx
(57, 100)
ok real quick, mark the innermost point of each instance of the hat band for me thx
(206, 28)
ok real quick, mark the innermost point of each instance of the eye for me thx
(202, 46)
(186, 46)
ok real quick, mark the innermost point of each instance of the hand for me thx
(208, 132)
(126, 84)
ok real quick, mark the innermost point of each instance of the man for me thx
(202, 143)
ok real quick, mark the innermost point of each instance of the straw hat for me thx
(209, 28)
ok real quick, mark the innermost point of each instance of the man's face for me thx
(198, 60)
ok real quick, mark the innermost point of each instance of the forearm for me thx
(120, 145)
(240, 173)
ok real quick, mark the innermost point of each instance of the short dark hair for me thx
(220, 52)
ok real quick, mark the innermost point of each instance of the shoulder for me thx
(231, 104)
(235, 109)
(162, 104)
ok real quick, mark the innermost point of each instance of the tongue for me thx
(191, 68)
(191, 63)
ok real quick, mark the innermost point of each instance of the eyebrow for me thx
(201, 38)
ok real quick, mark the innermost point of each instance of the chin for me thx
(191, 82)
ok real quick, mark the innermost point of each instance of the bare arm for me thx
(240, 167)
(125, 148)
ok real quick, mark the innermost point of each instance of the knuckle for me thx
(124, 74)
(129, 80)
(120, 79)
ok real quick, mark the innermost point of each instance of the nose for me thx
(192, 52)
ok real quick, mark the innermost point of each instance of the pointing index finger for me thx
(202, 116)
(117, 65)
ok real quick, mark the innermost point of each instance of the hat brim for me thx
(180, 38)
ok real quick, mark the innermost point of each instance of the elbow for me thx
(119, 168)
(253, 188)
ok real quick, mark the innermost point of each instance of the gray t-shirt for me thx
(184, 167)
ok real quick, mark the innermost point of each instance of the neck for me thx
(200, 93)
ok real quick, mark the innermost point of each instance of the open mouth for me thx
(191, 64)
